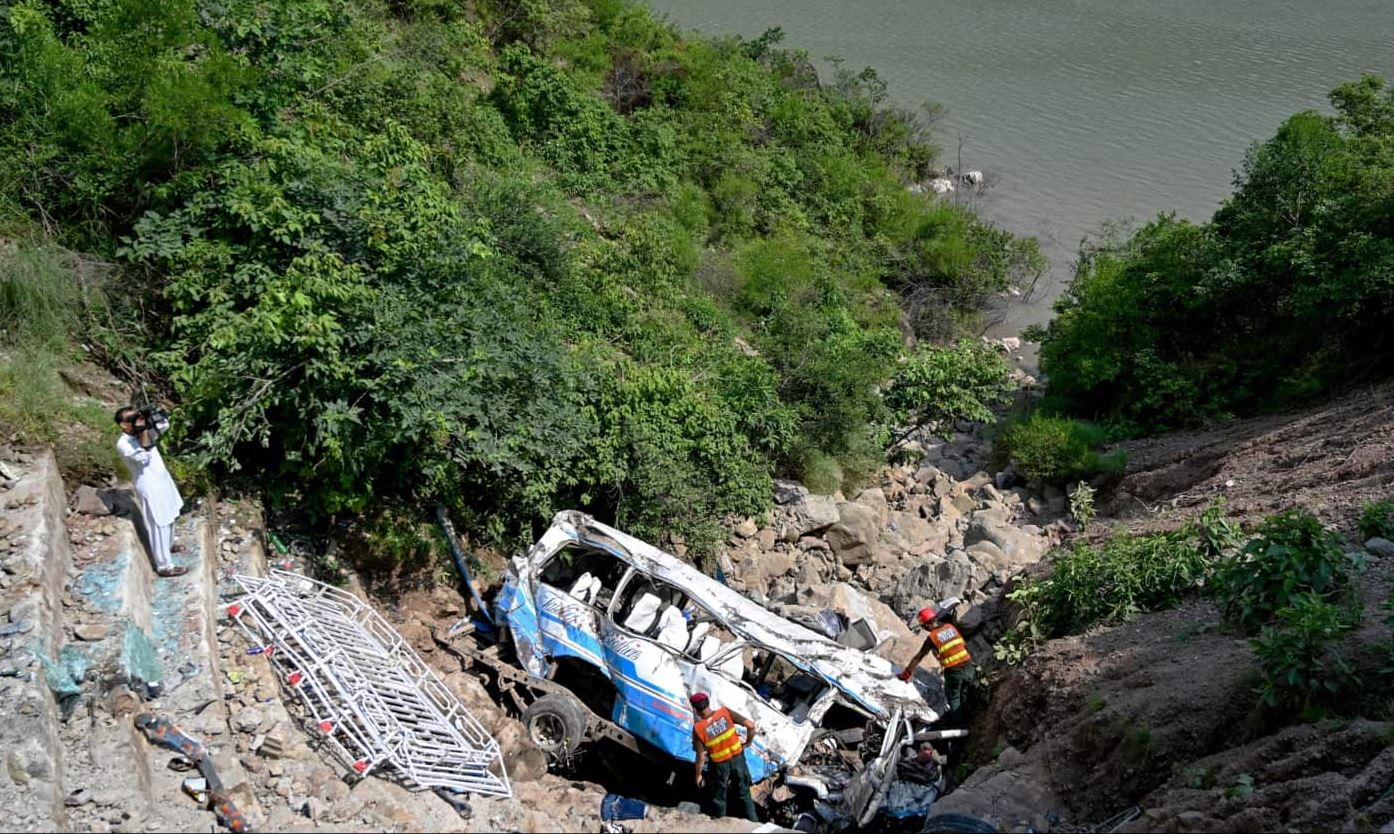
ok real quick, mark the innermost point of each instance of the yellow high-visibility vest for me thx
(718, 734)
(949, 645)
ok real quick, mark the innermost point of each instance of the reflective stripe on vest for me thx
(950, 647)
(718, 735)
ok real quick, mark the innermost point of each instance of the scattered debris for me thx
(197, 788)
(165, 733)
(139, 660)
(208, 791)
(455, 800)
(64, 677)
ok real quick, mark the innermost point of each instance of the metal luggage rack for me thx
(369, 695)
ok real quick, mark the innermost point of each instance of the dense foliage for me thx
(1055, 448)
(1114, 581)
(1287, 292)
(507, 257)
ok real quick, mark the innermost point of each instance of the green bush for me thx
(1283, 296)
(1057, 448)
(1108, 583)
(820, 472)
(1292, 555)
(1377, 520)
(1301, 668)
(1082, 504)
(1112, 582)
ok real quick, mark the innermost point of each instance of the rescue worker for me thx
(715, 739)
(947, 644)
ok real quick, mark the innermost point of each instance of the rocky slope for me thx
(1155, 714)
(942, 527)
(75, 577)
(1330, 459)
(1158, 715)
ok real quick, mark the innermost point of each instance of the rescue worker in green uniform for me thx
(715, 740)
(946, 643)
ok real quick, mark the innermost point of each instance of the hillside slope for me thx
(1160, 713)
(1330, 458)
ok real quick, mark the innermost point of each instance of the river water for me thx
(1085, 111)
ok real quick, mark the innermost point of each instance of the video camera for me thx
(156, 420)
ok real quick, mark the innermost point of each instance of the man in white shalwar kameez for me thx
(160, 501)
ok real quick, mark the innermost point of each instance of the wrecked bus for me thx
(615, 635)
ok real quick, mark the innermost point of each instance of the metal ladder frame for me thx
(369, 695)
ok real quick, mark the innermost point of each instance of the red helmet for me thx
(927, 615)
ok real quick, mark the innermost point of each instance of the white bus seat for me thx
(645, 611)
(672, 628)
(694, 642)
(586, 587)
(733, 666)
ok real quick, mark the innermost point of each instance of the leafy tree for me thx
(936, 386)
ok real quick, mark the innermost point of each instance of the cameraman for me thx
(160, 501)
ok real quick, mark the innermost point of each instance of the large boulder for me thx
(927, 475)
(1017, 546)
(1380, 547)
(1011, 794)
(771, 564)
(915, 531)
(92, 501)
(855, 536)
(989, 556)
(789, 492)
(931, 581)
(874, 499)
(807, 514)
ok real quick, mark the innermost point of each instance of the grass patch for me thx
(42, 300)
(36, 409)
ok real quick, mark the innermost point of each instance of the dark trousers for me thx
(728, 778)
(958, 689)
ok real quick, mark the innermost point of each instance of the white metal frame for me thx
(368, 693)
